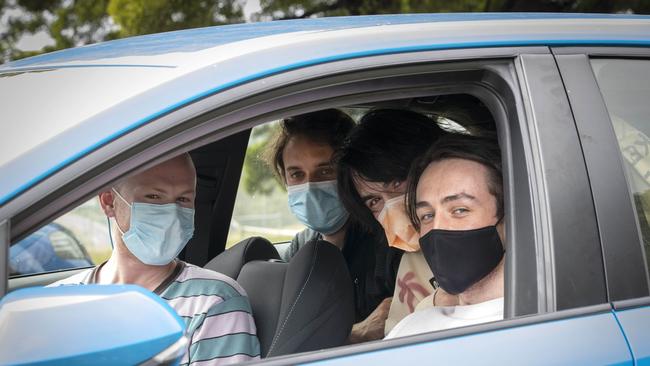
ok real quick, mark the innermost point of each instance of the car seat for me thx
(302, 305)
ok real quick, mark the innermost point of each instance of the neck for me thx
(338, 238)
(124, 268)
(488, 288)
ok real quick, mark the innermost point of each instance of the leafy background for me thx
(69, 23)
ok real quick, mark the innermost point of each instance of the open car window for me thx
(261, 203)
(77, 239)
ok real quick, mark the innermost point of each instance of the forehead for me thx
(174, 173)
(451, 176)
(299, 148)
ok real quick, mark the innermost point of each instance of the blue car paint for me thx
(202, 38)
(35, 253)
(585, 340)
(101, 347)
(636, 324)
(44, 160)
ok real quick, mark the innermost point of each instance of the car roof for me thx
(57, 107)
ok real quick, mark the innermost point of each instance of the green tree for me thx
(258, 176)
(291, 9)
(152, 16)
(73, 23)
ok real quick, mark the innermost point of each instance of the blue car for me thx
(50, 248)
(568, 96)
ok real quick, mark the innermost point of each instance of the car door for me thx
(609, 95)
(575, 323)
(555, 282)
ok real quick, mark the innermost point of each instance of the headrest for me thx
(232, 260)
(311, 297)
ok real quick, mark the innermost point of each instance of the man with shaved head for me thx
(152, 219)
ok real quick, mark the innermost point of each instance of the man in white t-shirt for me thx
(455, 200)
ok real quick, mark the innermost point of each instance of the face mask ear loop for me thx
(116, 223)
(495, 225)
(500, 219)
(110, 234)
(120, 196)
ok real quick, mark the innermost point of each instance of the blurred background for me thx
(31, 27)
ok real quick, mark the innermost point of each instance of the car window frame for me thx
(623, 257)
(229, 112)
(201, 137)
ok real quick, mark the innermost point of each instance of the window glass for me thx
(261, 207)
(625, 86)
(75, 240)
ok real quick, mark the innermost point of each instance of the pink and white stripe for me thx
(224, 324)
(190, 306)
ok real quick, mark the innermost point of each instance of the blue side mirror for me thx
(89, 325)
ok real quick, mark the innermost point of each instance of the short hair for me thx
(380, 149)
(482, 150)
(328, 126)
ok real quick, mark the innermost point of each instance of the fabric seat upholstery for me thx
(303, 305)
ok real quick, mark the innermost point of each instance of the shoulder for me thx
(198, 291)
(304, 236)
(298, 241)
(80, 278)
(200, 280)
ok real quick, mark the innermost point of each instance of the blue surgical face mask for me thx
(157, 232)
(317, 205)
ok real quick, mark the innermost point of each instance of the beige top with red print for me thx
(411, 287)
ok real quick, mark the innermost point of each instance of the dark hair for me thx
(328, 126)
(380, 149)
(482, 150)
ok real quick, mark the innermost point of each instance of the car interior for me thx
(305, 304)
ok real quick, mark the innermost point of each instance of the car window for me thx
(76, 239)
(625, 86)
(261, 207)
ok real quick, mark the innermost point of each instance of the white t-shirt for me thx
(445, 317)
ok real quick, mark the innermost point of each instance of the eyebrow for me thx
(451, 198)
(164, 191)
(456, 197)
(368, 196)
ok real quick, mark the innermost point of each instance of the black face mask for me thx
(460, 258)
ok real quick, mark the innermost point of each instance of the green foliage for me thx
(78, 22)
(151, 16)
(258, 176)
(289, 9)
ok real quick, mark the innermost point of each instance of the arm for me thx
(226, 335)
(371, 328)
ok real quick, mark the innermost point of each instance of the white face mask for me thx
(398, 228)
(157, 233)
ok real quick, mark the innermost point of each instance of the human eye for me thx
(295, 175)
(326, 171)
(425, 217)
(459, 211)
(152, 196)
(372, 203)
(183, 199)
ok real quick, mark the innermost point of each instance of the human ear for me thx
(106, 201)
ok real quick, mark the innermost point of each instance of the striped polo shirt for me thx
(213, 306)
